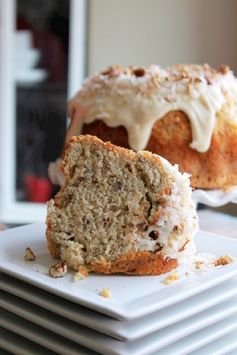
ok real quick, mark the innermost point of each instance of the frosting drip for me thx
(136, 98)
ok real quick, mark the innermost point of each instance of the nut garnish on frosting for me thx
(138, 97)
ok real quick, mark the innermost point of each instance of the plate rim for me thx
(112, 309)
(150, 346)
(124, 331)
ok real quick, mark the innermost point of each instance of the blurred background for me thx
(47, 47)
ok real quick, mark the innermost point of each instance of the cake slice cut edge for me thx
(120, 211)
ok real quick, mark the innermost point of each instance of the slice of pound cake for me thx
(120, 211)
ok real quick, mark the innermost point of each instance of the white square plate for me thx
(132, 296)
(180, 339)
(124, 331)
(222, 346)
(41, 336)
(203, 337)
(12, 343)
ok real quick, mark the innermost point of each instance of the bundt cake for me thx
(185, 113)
(120, 211)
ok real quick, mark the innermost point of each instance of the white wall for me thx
(165, 32)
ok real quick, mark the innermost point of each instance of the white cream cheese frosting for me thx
(179, 221)
(136, 98)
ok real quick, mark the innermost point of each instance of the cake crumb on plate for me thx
(106, 292)
(171, 278)
(81, 274)
(199, 264)
(223, 260)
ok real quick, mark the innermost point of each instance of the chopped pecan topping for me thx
(223, 260)
(208, 80)
(197, 80)
(224, 69)
(159, 247)
(154, 235)
(139, 72)
(112, 71)
(179, 228)
(142, 226)
(58, 270)
(29, 255)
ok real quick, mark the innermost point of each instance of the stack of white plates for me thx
(26, 58)
(197, 314)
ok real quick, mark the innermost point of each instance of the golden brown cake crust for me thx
(52, 246)
(171, 137)
(139, 263)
